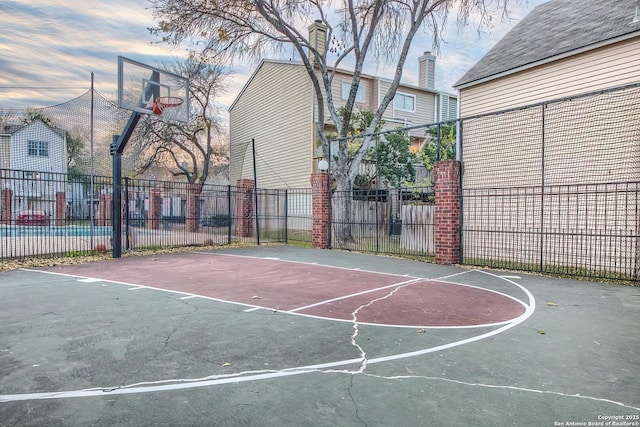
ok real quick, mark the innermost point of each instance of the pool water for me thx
(70, 231)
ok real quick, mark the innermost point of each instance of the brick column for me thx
(154, 209)
(447, 212)
(108, 213)
(61, 209)
(7, 199)
(193, 207)
(244, 207)
(101, 213)
(321, 210)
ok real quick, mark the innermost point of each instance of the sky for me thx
(49, 48)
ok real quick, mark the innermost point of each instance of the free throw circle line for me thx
(321, 368)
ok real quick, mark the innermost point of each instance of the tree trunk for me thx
(342, 213)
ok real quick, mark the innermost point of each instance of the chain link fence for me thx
(554, 187)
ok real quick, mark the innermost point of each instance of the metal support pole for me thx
(286, 217)
(116, 214)
(230, 221)
(127, 215)
(255, 190)
(439, 143)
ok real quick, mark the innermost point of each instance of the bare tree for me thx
(194, 149)
(358, 31)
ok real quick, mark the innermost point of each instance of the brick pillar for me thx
(61, 209)
(7, 199)
(193, 207)
(154, 209)
(244, 207)
(447, 215)
(321, 210)
(101, 213)
(108, 213)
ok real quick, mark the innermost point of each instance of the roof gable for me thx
(554, 29)
(14, 128)
(338, 71)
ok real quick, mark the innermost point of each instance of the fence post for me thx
(193, 206)
(447, 212)
(244, 207)
(61, 209)
(321, 210)
(286, 217)
(230, 223)
(7, 199)
(154, 209)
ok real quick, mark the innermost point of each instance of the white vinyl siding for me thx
(37, 147)
(609, 66)
(404, 102)
(274, 109)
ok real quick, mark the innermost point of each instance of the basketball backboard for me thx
(150, 90)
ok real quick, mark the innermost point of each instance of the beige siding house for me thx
(561, 49)
(277, 109)
(556, 154)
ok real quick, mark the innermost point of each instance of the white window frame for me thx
(402, 108)
(346, 88)
(37, 148)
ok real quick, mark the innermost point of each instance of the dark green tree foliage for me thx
(394, 159)
(429, 154)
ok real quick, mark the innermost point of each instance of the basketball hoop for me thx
(163, 102)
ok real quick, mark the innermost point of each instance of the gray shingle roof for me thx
(555, 28)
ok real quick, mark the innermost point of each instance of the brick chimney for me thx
(317, 38)
(427, 63)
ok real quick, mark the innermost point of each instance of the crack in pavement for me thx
(355, 322)
(353, 401)
(165, 344)
(504, 387)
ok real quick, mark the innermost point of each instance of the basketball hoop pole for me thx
(117, 147)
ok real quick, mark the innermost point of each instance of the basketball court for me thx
(292, 336)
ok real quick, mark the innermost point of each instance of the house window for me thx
(404, 102)
(346, 88)
(38, 148)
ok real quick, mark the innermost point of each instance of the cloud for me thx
(58, 43)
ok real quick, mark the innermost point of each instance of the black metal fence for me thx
(590, 230)
(47, 214)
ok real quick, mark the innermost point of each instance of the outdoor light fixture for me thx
(323, 165)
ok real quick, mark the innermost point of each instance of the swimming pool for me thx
(52, 231)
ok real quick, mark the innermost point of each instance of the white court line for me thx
(176, 384)
(90, 280)
(353, 295)
(190, 296)
(132, 289)
(142, 287)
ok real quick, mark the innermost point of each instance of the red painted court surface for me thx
(310, 289)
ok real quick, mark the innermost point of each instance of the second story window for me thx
(346, 88)
(404, 102)
(38, 148)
